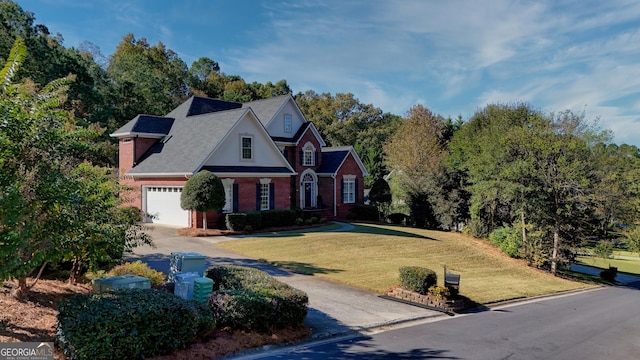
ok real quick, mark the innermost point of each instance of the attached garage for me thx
(163, 204)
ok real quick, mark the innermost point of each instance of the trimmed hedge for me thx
(129, 324)
(417, 279)
(236, 221)
(260, 219)
(364, 212)
(245, 298)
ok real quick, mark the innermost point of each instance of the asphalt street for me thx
(603, 323)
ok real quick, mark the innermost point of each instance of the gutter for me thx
(335, 188)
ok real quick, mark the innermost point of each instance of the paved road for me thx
(334, 309)
(597, 324)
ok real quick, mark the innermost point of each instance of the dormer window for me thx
(309, 155)
(287, 123)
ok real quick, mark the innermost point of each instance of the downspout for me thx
(335, 188)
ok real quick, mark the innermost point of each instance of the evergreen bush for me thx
(417, 279)
(129, 324)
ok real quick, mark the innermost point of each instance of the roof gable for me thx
(334, 157)
(226, 155)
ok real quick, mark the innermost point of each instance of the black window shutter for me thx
(235, 198)
(301, 157)
(342, 190)
(317, 157)
(258, 196)
(285, 153)
(272, 196)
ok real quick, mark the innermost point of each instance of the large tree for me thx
(147, 79)
(417, 153)
(42, 195)
(532, 169)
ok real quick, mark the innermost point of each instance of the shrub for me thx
(603, 249)
(247, 298)
(397, 218)
(417, 279)
(129, 324)
(236, 221)
(274, 218)
(308, 222)
(439, 292)
(508, 239)
(138, 268)
(248, 229)
(299, 221)
(476, 228)
(254, 219)
(364, 212)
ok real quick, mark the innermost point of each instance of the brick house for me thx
(267, 155)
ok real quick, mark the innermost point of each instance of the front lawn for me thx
(370, 255)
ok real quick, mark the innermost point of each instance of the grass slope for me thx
(369, 257)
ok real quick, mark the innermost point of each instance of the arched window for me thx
(309, 155)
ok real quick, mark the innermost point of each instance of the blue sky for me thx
(453, 56)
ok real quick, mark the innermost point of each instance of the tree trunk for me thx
(556, 245)
(22, 288)
(524, 235)
(75, 271)
(204, 220)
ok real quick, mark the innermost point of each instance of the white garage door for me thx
(163, 202)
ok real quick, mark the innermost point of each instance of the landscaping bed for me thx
(33, 320)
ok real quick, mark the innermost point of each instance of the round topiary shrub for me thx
(417, 279)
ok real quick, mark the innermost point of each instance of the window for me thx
(247, 149)
(309, 155)
(287, 123)
(228, 195)
(264, 196)
(349, 190)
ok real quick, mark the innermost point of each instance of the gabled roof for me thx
(149, 125)
(187, 146)
(334, 157)
(266, 109)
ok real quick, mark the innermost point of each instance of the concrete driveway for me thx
(334, 309)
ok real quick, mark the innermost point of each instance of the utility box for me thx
(202, 287)
(184, 262)
(128, 281)
(184, 284)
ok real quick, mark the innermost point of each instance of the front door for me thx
(308, 190)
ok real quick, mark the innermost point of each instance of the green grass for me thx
(369, 257)
(630, 266)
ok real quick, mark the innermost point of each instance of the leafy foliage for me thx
(138, 268)
(129, 324)
(203, 192)
(417, 279)
(508, 240)
(247, 298)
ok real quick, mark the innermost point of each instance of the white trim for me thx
(351, 151)
(288, 128)
(315, 132)
(314, 189)
(227, 184)
(251, 147)
(138, 134)
(309, 148)
(264, 131)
